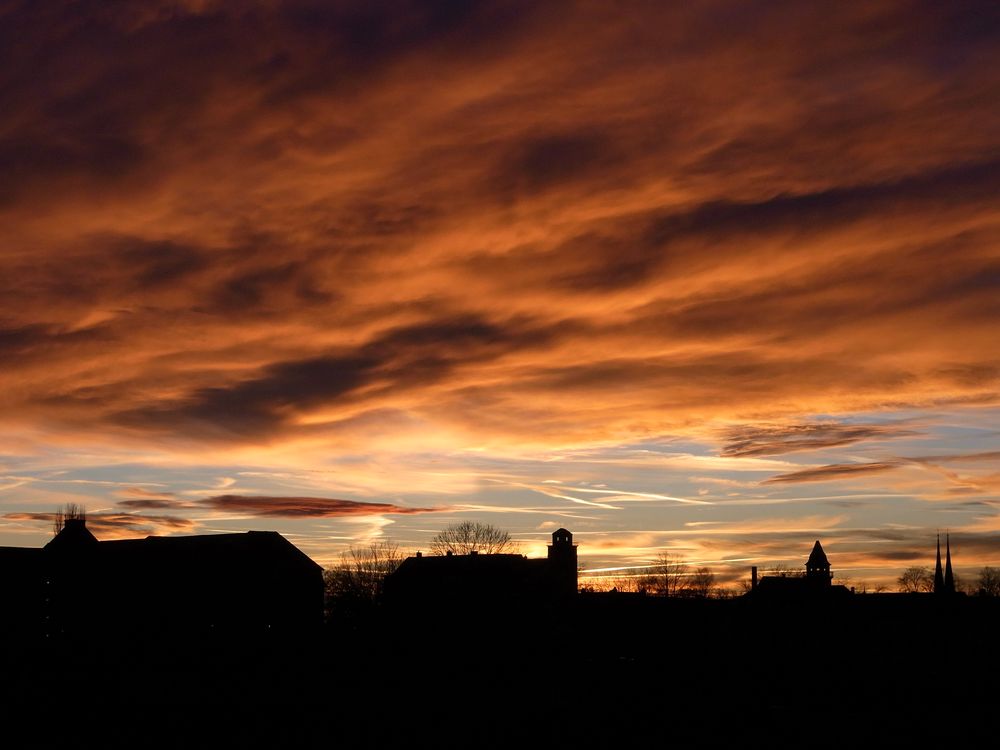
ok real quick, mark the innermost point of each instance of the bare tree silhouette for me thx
(472, 536)
(989, 582)
(356, 583)
(916, 579)
(69, 512)
(668, 575)
(701, 583)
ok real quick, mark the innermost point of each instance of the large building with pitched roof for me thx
(184, 586)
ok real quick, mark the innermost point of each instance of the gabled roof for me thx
(264, 548)
(230, 549)
(72, 536)
(817, 558)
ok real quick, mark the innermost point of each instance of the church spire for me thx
(949, 577)
(938, 577)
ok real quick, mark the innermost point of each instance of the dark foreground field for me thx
(613, 671)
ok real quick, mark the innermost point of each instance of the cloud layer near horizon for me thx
(298, 233)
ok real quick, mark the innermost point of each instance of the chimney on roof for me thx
(753, 578)
(419, 554)
(448, 553)
(474, 552)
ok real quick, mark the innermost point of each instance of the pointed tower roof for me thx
(938, 575)
(949, 576)
(817, 558)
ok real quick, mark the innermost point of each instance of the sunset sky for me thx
(720, 278)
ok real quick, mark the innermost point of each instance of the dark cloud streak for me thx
(832, 472)
(306, 507)
(399, 359)
(776, 440)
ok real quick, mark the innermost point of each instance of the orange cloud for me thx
(257, 248)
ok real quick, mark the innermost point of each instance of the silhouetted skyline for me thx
(222, 634)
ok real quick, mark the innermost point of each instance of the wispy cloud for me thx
(142, 494)
(770, 440)
(626, 496)
(833, 472)
(109, 525)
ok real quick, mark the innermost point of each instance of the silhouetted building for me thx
(949, 576)
(815, 582)
(562, 562)
(938, 574)
(479, 578)
(944, 583)
(818, 567)
(22, 588)
(227, 584)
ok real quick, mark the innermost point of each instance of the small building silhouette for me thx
(450, 579)
(185, 586)
(817, 581)
(562, 562)
(818, 567)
